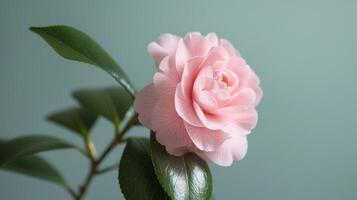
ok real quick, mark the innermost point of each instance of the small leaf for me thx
(79, 120)
(136, 174)
(34, 166)
(26, 145)
(112, 103)
(75, 45)
(37, 167)
(185, 177)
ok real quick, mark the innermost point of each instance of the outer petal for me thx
(196, 44)
(192, 45)
(259, 93)
(240, 119)
(229, 47)
(165, 121)
(170, 130)
(247, 119)
(212, 38)
(144, 104)
(232, 149)
(165, 45)
(204, 138)
(177, 151)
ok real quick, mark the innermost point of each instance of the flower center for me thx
(222, 79)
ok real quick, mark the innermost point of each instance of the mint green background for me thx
(305, 144)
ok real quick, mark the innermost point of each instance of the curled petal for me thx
(165, 45)
(185, 108)
(210, 121)
(189, 75)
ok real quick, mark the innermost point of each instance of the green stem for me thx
(107, 169)
(95, 163)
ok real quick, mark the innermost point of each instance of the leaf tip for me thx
(34, 29)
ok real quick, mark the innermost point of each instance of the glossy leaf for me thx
(79, 120)
(112, 103)
(75, 45)
(37, 167)
(137, 177)
(185, 177)
(26, 145)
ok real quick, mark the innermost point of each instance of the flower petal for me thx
(234, 148)
(245, 96)
(176, 151)
(241, 121)
(192, 45)
(168, 126)
(189, 75)
(212, 38)
(229, 47)
(165, 45)
(144, 104)
(204, 138)
(210, 121)
(185, 108)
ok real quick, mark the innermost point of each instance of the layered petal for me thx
(232, 149)
(144, 104)
(202, 98)
(169, 127)
(206, 139)
(165, 45)
(245, 96)
(185, 109)
(210, 121)
(229, 47)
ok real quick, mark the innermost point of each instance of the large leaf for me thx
(37, 167)
(26, 145)
(184, 178)
(136, 174)
(73, 44)
(79, 120)
(112, 103)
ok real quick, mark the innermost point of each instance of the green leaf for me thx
(37, 167)
(185, 177)
(112, 103)
(75, 45)
(136, 174)
(79, 120)
(26, 145)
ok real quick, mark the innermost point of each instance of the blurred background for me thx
(304, 146)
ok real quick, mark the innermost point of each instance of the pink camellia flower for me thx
(202, 98)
